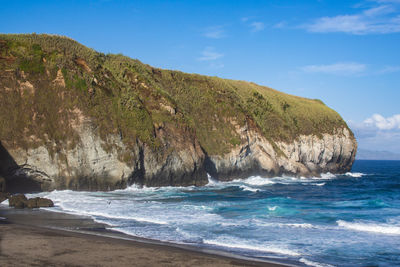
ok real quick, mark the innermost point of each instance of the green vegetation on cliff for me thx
(48, 83)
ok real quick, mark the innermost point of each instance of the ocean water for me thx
(335, 220)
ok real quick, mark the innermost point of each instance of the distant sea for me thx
(335, 220)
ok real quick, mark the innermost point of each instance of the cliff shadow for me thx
(14, 182)
(209, 167)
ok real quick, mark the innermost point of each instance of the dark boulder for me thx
(18, 201)
(45, 202)
(20, 205)
(32, 203)
(39, 202)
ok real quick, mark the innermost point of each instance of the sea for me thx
(352, 219)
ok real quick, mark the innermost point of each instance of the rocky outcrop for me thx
(307, 155)
(333, 153)
(39, 202)
(89, 166)
(20, 201)
(181, 162)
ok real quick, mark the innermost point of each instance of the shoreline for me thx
(87, 237)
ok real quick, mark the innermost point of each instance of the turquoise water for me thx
(336, 220)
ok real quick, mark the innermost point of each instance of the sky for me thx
(346, 53)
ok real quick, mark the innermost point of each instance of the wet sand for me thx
(42, 238)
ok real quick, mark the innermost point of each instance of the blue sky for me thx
(345, 53)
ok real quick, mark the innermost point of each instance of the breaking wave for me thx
(355, 174)
(242, 244)
(380, 228)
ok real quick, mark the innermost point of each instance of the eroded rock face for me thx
(91, 166)
(179, 161)
(308, 155)
(331, 153)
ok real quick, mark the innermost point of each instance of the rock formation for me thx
(82, 120)
(19, 201)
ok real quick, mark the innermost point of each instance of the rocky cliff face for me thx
(89, 167)
(307, 155)
(77, 119)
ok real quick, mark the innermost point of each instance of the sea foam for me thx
(314, 264)
(248, 188)
(380, 228)
(257, 181)
(240, 244)
(328, 176)
(355, 174)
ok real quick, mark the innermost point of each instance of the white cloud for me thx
(257, 26)
(383, 123)
(215, 32)
(280, 25)
(379, 10)
(388, 1)
(381, 19)
(345, 23)
(344, 68)
(215, 65)
(389, 69)
(378, 133)
(381, 141)
(209, 54)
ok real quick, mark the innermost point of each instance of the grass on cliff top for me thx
(126, 97)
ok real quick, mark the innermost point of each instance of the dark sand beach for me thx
(42, 238)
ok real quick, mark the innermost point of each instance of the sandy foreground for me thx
(40, 238)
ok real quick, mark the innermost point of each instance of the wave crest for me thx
(257, 181)
(313, 263)
(237, 244)
(355, 174)
(371, 227)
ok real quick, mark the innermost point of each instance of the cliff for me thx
(75, 118)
